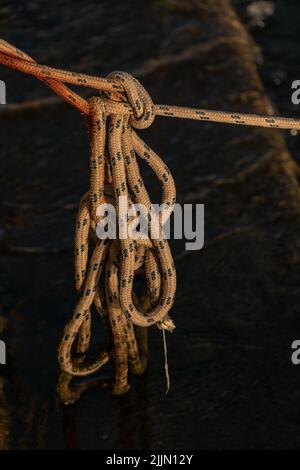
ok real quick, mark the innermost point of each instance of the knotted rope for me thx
(115, 174)
(105, 269)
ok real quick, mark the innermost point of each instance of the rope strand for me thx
(56, 78)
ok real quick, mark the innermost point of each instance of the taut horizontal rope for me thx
(56, 78)
(105, 269)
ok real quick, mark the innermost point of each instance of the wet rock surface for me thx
(236, 311)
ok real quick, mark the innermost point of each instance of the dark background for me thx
(232, 382)
(276, 35)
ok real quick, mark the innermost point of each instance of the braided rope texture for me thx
(106, 277)
(105, 269)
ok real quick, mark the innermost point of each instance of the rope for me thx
(105, 270)
(55, 79)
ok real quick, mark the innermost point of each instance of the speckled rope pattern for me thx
(105, 269)
(112, 174)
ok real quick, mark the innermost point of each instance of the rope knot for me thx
(138, 98)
